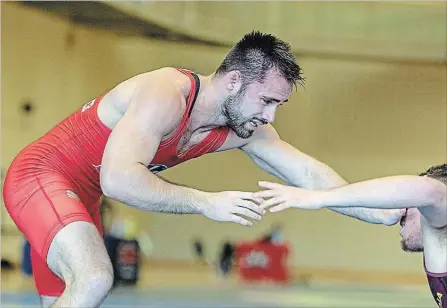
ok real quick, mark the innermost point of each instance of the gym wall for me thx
(363, 117)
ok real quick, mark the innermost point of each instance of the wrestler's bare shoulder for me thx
(262, 133)
(166, 85)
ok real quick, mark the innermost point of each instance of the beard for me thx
(410, 248)
(235, 118)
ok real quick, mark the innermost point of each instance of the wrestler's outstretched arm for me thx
(393, 192)
(426, 194)
(296, 168)
(155, 111)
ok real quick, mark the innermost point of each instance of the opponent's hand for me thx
(227, 205)
(283, 197)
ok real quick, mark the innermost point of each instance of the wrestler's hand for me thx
(283, 197)
(227, 205)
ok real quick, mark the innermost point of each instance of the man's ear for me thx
(233, 82)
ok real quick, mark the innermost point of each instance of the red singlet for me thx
(55, 180)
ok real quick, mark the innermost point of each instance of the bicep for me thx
(436, 214)
(129, 143)
(136, 137)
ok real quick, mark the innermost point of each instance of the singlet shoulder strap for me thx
(190, 101)
(193, 92)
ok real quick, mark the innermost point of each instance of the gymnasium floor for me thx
(211, 291)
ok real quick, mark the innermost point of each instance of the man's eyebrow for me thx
(275, 99)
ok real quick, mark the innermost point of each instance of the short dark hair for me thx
(256, 53)
(438, 172)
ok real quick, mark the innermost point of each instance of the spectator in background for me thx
(226, 258)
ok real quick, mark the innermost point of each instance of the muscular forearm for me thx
(141, 189)
(301, 170)
(317, 175)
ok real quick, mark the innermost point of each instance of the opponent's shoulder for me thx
(436, 214)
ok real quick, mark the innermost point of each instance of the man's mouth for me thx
(257, 122)
(253, 123)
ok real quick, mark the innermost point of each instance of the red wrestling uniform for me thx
(55, 180)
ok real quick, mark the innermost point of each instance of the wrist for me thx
(200, 201)
(322, 199)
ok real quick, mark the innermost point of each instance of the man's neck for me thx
(207, 111)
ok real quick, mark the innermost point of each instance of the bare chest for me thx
(190, 139)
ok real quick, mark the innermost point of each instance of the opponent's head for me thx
(259, 73)
(411, 221)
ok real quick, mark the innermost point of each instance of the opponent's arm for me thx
(132, 146)
(281, 159)
(394, 192)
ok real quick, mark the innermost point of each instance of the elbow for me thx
(109, 184)
(436, 193)
(108, 191)
(118, 183)
(436, 211)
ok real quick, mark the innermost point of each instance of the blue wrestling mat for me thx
(297, 296)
